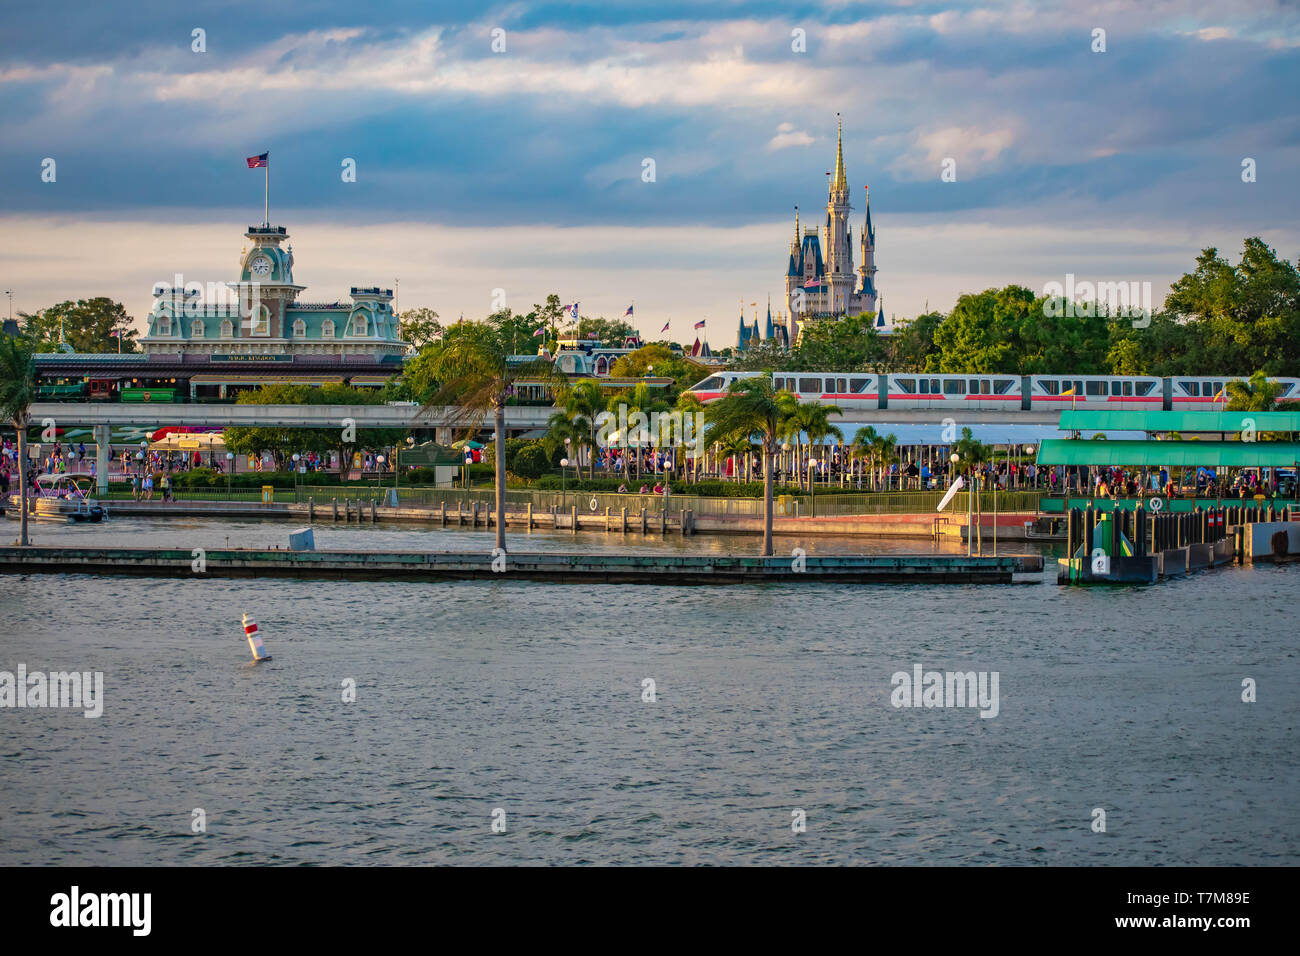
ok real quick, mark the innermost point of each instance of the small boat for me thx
(58, 498)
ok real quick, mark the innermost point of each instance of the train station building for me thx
(196, 349)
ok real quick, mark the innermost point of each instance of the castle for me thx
(825, 285)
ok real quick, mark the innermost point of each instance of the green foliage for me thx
(609, 331)
(86, 325)
(419, 327)
(713, 488)
(664, 363)
(283, 442)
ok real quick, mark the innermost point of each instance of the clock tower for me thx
(265, 287)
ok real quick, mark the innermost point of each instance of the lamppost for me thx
(564, 477)
(10, 293)
(379, 472)
(812, 487)
(230, 470)
(1029, 453)
(296, 456)
(785, 450)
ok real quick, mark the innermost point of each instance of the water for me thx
(527, 697)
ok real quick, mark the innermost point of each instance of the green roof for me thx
(1159, 421)
(1183, 454)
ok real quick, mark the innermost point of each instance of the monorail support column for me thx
(103, 455)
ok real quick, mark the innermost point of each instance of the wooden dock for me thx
(563, 568)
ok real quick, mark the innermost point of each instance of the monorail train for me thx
(858, 391)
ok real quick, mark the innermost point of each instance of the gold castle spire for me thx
(839, 181)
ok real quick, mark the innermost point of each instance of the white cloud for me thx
(787, 136)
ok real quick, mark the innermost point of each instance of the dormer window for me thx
(327, 329)
(359, 324)
(164, 325)
(227, 329)
(299, 329)
(262, 321)
(196, 329)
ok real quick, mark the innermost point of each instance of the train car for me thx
(925, 390)
(851, 391)
(1202, 393)
(153, 395)
(1095, 392)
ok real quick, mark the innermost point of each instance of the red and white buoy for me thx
(255, 640)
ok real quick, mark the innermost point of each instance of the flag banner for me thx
(592, 335)
(700, 324)
(812, 284)
(114, 334)
(540, 332)
(628, 312)
(257, 162)
(666, 324)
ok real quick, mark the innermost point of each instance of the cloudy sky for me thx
(523, 169)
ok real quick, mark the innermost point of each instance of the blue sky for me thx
(521, 170)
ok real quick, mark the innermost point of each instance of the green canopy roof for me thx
(1182, 454)
(1160, 421)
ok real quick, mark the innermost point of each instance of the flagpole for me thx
(266, 193)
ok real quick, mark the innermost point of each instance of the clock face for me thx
(261, 267)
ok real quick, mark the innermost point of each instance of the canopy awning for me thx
(1178, 454)
(1160, 421)
(214, 441)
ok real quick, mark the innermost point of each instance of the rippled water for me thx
(528, 697)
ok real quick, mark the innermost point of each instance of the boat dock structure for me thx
(1143, 540)
(568, 568)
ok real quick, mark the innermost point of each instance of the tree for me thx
(912, 342)
(752, 406)
(608, 331)
(85, 325)
(813, 420)
(1257, 394)
(17, 392)
(664, 363)
(475, 374)
(849, 344)
(420, 327)
(979, 334)
(581, 403)
(282, 442)
(625, 405)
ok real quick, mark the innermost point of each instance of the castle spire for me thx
(839, 181)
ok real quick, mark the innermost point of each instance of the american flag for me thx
(812, 283)
(700, 324)
(628, 312)
(666, 324)
(114, 334)
(540, 332)
(257, 162)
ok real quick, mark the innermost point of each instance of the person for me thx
(166, 487)
(645, 490)
(622, 488)
(659, 488)
(135, 487)
(148, 487)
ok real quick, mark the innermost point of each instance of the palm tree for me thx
(638, 399)
(581, 404)
(474, 373)
(882, 451)
(17, 392)
(752, 406)
(1256, 395)
(865, 440)
(689, 405)
(815, 419)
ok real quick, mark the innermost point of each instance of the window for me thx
(841, 385)
(954, 386)
(262, 321)
(986, 386)
(299, 329)
(1002, 386)
(359, 324)
(974, 386)
(710, 383)
(906, 385)
(778, 383)
(196, 329)
(164, 325)
(1114, 388)
(1128, 388)
(227, 329)
(1191, 388)
(859, 384)
(1050, 386)
(1284, 388)
(934, 386)
(810, 385)
(1095, 388)
(1218, 387)
(327, 329)
(1143, 388)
